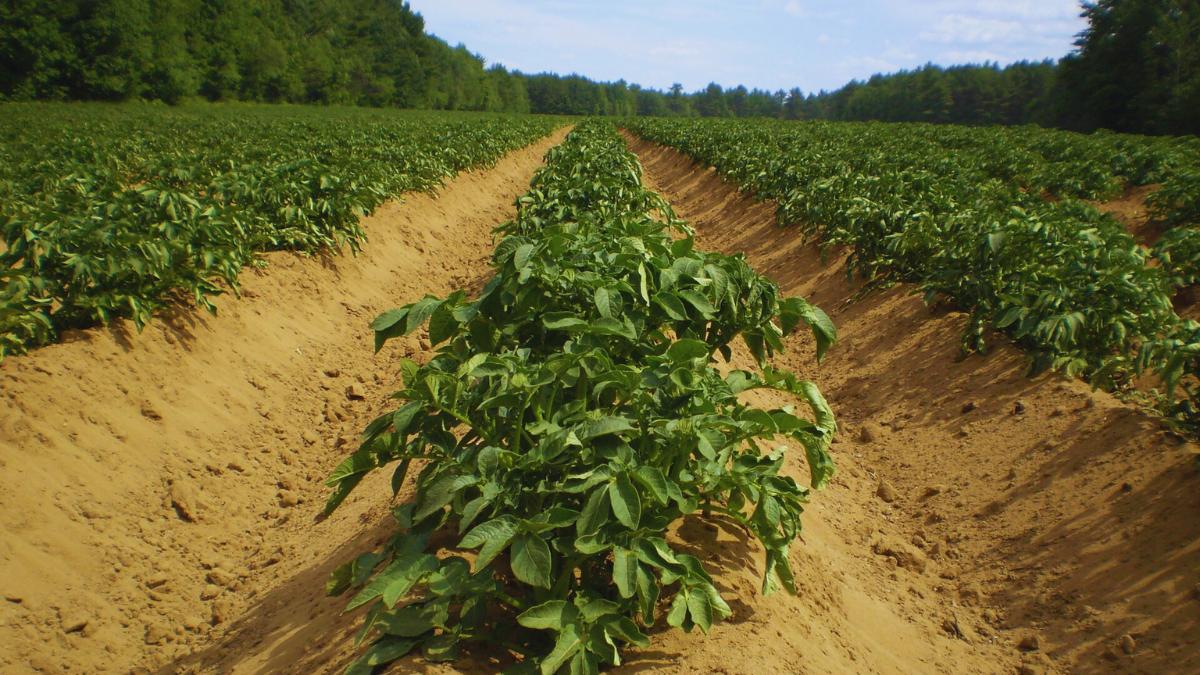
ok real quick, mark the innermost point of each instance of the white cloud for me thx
(794, 8)
(958, 57)
(963, 29)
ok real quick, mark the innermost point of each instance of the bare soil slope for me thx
(979, 514)
(158, 490)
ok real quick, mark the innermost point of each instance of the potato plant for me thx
(571, 416)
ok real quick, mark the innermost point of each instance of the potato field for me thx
(534, 394)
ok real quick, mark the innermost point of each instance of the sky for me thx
(769, 44)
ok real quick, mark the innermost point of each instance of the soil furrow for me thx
(158, 491)
(982, 520)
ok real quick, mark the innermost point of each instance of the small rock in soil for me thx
(219, 577)
(869, 432)
(288, 499)
(1128, 644)
(157, 580)
(886, 492)
(210, 591)
(149, 412)
(1035, 664)
(332, 372)
(1030, 643)
(933, 491)
(355, 392)
(73, 622)
(1018, 408)
(905, 555)
(969, 406)
(222, 611)
(185, 501)
(156, 634)
(971, 594)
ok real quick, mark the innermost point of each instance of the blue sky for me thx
(772, 44)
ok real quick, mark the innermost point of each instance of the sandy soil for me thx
(978, 513)
(1131, 211)
(158, 490)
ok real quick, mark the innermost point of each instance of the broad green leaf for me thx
(604, 302)
(626, 504)
(602, 427)
(551, 615)
(625, 569)
(595, 512)
(701, 303)
(647, 591)
(531, 561)
(652, 478)
(438, 494)
(687, 349)
(420, 311)
(352, 573)
(700, 608)
(568, 643)
(493, 535)
(381, 652)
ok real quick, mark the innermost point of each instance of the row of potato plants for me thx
(114, 210)
(994, 220)
(571, 418)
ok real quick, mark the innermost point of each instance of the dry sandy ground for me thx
(158, 491)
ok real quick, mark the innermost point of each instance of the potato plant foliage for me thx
(995, 220)
(111, 211)
(572, 415)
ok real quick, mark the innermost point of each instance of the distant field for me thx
(1009, 223)
(109, 209)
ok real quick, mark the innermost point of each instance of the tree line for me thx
(1136, 68)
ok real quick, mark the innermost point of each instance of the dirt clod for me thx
(73, 622)
(1030, 643)
(905, 555)
(969, 406)
(149, 412)
(1128, 644)
(185, 500)
(156, 634)
(886, 492)
(869, 432)
(354, 392)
